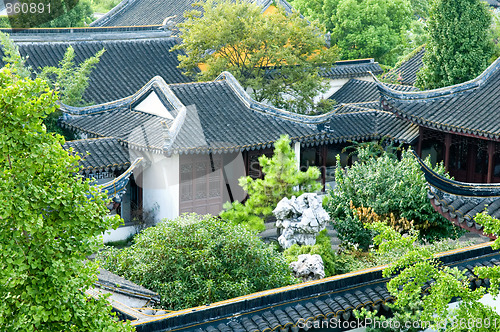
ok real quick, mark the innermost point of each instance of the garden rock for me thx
(300, 219)
(308, 267)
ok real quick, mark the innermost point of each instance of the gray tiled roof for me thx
(154, 12)
(460, 202)
(110, 281)
(406, 72)
(103, 154)
(322, 300)
(461, 210)
(469, 108)
(220, 117)
(352, 69)
(130, 61)
(358, 91)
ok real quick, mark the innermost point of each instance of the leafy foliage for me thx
(414, 302)
(12, 57)
(277, 56)
(78, 16)
(195, 260)
(370, 28)
(459, 45)
(323, 11)
(323, 247)
(388, 185)
(421, 8)
(71, 79)
(281, 179)
(491, 226)
(68, 79)
(49, 225)
(103, 6)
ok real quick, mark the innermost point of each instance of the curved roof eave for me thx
(441, 92)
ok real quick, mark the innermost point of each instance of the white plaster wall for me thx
(119, 234)
(296, 149)
(160, 185)
(234, 168)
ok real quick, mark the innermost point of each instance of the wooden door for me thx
(201, 184)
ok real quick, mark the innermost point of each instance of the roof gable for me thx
(153, 105)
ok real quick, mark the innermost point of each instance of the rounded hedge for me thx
(195, 260)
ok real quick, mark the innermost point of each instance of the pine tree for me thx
(282, 179)
(460, 44)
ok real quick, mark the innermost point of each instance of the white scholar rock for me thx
(300, 219)
(308, 267)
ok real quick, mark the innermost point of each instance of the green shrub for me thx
(388, 186)
(323, 248)
(351, 232)
(195, 260)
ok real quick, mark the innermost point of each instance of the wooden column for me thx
(245, 161)
(139, 182)
(491, 161)
(323, 165)
(447, 145)
(420, 139)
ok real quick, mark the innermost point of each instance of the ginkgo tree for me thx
(50, 220)
(277, 56)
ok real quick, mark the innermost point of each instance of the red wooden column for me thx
(420, 139)
(447, 145)
(245, 161)
(491, 161)
(323, 165)
(140, 183)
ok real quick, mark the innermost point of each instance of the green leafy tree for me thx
(460, 43)
(195, 260)
(78, 16)
(371, 28)
(103, 6)
(388, 186)
(277, 56)
(322, 10)
(12, 57)
(69, 79)
(415, 302)
(50, 14)
(421, 8)
(49, 224)
(282, 178)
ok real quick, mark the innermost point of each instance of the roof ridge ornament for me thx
(170, 133)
